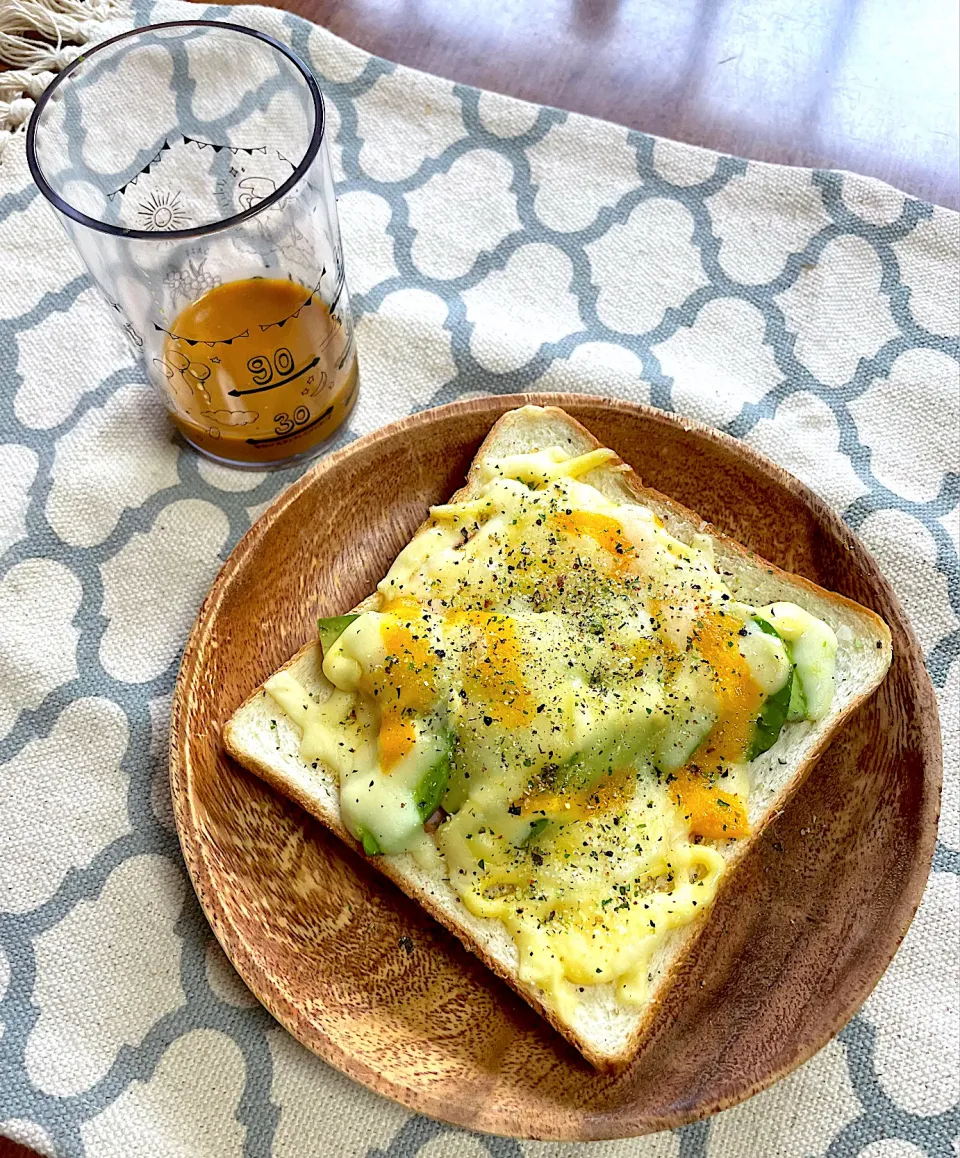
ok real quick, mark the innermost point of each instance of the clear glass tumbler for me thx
(188, 164)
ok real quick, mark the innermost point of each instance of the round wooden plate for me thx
(364, 978)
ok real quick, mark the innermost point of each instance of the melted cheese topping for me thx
(587, 692)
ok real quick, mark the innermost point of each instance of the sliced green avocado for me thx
(771, 719)
(426, 797)
(332, 628)
(582, 768)
(613, 752)
(456, 792)
(371, 846)
(797, 709)
(535, 829)
(429, 792)
(683, 738)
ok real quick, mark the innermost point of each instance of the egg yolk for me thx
(406, 682)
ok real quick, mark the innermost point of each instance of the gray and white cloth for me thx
(491, 246)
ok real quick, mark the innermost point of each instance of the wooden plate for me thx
(366, 980)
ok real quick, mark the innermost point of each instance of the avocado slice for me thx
(616, 750)
(582, 768)
(371, 846)
(535, 829)
(332, 628)
(426, 799)
(771, 719)
(682, 739)
(429, 792)
(797, 706)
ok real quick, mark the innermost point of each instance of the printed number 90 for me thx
(261, 371)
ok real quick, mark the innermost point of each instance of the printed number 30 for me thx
(286, 424)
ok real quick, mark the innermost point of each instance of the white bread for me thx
(607, 1033)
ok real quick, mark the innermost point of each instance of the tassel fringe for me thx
(37, 39)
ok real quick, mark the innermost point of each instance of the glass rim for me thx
(64, 206)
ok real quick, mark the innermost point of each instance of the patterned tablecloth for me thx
(491, 246)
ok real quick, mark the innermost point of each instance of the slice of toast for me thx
(609, 1034)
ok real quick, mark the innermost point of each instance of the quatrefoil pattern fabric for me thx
(491, 246)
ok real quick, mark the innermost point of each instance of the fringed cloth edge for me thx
(37, 39)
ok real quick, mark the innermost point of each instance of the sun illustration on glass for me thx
(162, 211)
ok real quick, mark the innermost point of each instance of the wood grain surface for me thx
(367, 980)
(841, 84)
(10, 1149)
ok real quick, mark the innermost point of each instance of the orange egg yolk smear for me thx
(406, 682)
(712, 813)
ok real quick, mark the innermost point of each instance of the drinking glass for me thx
(188, 163)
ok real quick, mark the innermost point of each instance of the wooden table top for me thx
(865, 86)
